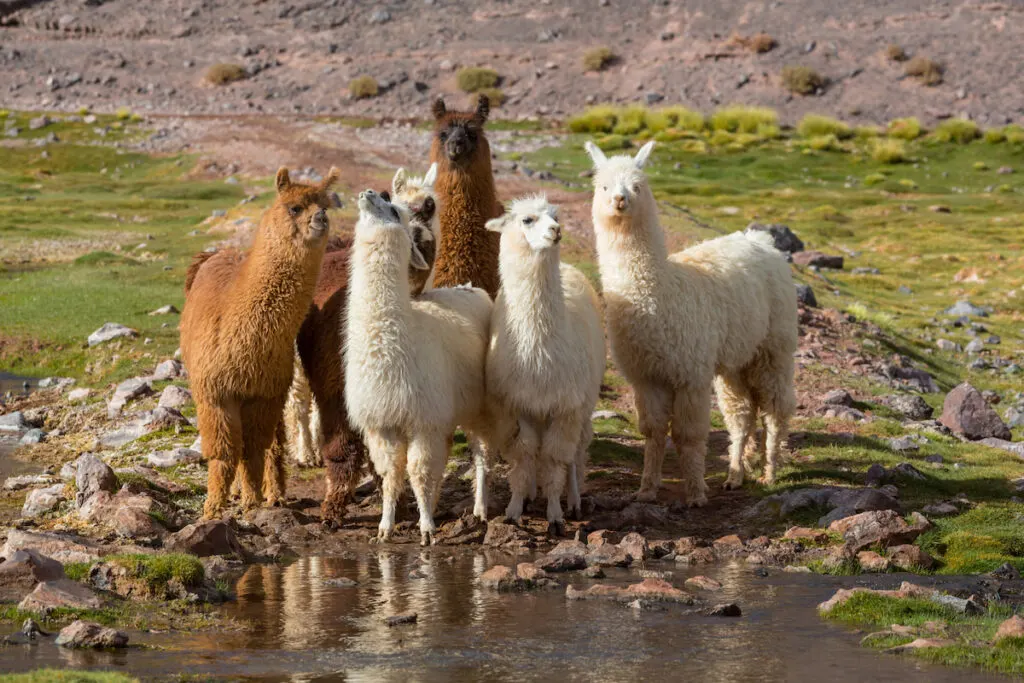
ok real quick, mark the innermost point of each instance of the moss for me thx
(157, 570)
(802, 80)
(927, 71)
(905, 129)
(77, 571)
(67, 676)
(363, 87)
(890, 151)
(978, 540)
(474, 79)
(814, 125)
(598, 59)
(743, 119)
(224, 74)
(960, 131)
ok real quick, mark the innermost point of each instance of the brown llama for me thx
(468, 252)
(321, 340)
(242, 313)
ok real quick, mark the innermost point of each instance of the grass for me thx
(743, 119)
(67, 676)
(363, 87)
(960, 131)
(889, 151)
(156, 570)
(905, 129)
(926, 71)
(895, 53)
(802, 80)
(495, 96)
(475, 79)
(598, 59)
(225, 74)
(979, 540)
(676, 118)
(813, 125)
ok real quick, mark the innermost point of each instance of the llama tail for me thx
(197, 262)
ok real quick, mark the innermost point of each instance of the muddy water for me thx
(10, 467)
(15, 384)
(305, 629)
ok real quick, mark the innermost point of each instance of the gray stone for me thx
(77, 395)
(92, 476)
(173, 458)
(967, 414)
(1014, 416)
(49, 595)
(818, 259)
(33, 436)
(947, 345)
(174, 396)
(127, 391)
(882, 527)
(169, 309)
(61, 383)
(943, 509)
(14, 422)
(785, 239)
(89, 635)
(60, 547)
(965, 307)
(908, 471)
(910, 406)
(125, 435)
(975, 346)
(22, 570)
(914, 377)
(204, 539)
(1017, 448)
(41, 501)
(380, 16)
(837, 397)
(805, 295)
(903, 444)
(111, 331)
(168, 369)
(866, 271)
(23, 481)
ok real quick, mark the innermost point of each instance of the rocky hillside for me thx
(300, 57)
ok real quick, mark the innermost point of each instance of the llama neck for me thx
(379, 286)
(277, 280)
(473, 184)
(631, 251)
(532, 286)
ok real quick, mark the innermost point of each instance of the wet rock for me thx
(530, 573)
(128, 391)
(566, 556)
(728, 545)
(14, 422)
(111, 331)
(22, 570)
(499, 578)
(797, 569)
(797, 533)
(871, 561)
(168, 369)
(276, 520)
(602, 537)
(594, 572)
(703, 583)
(609, 555)
(784, 238)
(92, 475)
(919, 644)
(1011, 628)
(882, 527)
(340, 582)
(174, 458)
(729, 609)
(655, 590)
(49, 595)
(805, 295)
(696, 556)
(41, 501)
(464, 530)
(60, 547)
(203, 539)
(817, 259)
(961, 308)
(86, 634)
(399, 619)
(837, 397)
(636, 546)
(500, 533)
(910, 557)
(967, 414)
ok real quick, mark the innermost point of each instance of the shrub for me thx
(123, 113)
(362, 87)
(1014, 133)
(630, 120)
(980, 166)
(598, 119)
(927, 71)
(907, 183)
(895, 53)
(474, 79)
(866, 132)
(4, 113)
(820, 143)
(768, 131)
(679, 117)
(812, 125)
(82, 111)
(598, 59)
(223, 74)
(743, 119)
(802, 80)
(157, 570)
(994, 136)
(889, 151)
(494, 95)
(874, 179)
(695, 147)
(721, 138)
(905, 129)
(761, 43)
(960, 131)
(613, 143)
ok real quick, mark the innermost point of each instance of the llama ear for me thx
(332, 177)
(283, 181)
(497, 224)
(431, 177)
(596, 155)
(438, 109)
(398, 182)
(645, 152)
(416, 259)
(483, 107)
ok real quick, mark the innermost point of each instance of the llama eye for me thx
(528, 220)
(294, 211)
(604, 188)
(636, 187)
(394, 213)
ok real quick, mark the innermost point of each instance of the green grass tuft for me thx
(802, 80)
(475, 79)
(905, 129)
(889, 151)
(157, 570)
(960, 131)
(224, 74)
(363, 87)
(927, 71)
(67, 676)
(742, 119)
(814, 125)
(598, 59)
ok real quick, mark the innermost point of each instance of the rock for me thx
(164, 418)
(696, 556)
(203, 539)
(797, 533)
(910, 557)
(60, 547)
(975, 346)
(703, 582)
(797, 569)
(655, 590)
(168, 369)
(805, 295)
(22, 570)
(845, 413)
(14, 422)
(340, 582)
(380, 16)
(1011, 628)
(41, 501)
(39, 122)
(636, 545)
(914, 377)
(25, 480)
(499, 578)
(1017, 448)
(909, 406)
(529, 573)
(499, 533)
(174, 458)
(78, 395)
(730, 609)
(609, 555)
(126, 391)
(948, 346)
(908, 471)
(875, 475)
(86, 634)
(871, 561)
(32, 437)
(882, 527)
(728, 545)
(594, 572)
(1014, 417)
(837, 397)
(399, 619)
(169, 309)
(785, 239)
(111, 331)
(125, 435)
(92, 476)
(817, 259)
(961, 308)
(566, 556)
(967, 413)
(603, 537)
(961, 605)
(174, 396)
(462, 531)
(920, 643)
(57, 593)
(940, 510)
(866, 271)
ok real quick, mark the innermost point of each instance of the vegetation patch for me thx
(363, 87)
(598, 59)
(960, 131)
(895, 53)
(927, 71)
(495, 96)
(742, 119)
(475, 79)
(156, 570)
(224, 74)
(802, 80)
(813, 125)
(67, 676)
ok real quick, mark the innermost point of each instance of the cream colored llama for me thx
(413, 368)
(723, 311)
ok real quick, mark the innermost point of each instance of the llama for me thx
(242, 312)
(302, 420)
(415, 368)
(723, 312)
(545, 361)
(467, 253)
(322, 336)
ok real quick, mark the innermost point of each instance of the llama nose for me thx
(620, 202)
(557, 230)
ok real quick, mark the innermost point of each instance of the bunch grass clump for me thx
(895, 53)
(743, 119)
(475, 79)
(802, 80)
(363, 87)
(630, 120)
(598, 59)
(157, 570)
(905, 129)
(927, 71)
(960, 131)
(676, 117)
(814, 125)
(494, 95)
(889, 151)
(822, 143)
(123, 114)
(1013, 133)
(760, 43)
(598, 119)
(994, 136)
(224, 74)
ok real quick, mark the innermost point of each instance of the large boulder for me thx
(566, 556)
(61, 547)
(14, 422)
(50, 595)
(882, 527)
(967, 413)
(92, 475)
(204, 539)
(168, 369)
(22, 570)
(86, 634)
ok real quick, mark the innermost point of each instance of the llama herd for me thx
(444, 311)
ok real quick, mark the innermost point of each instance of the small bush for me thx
(123, 113)
(613, 143)
(874, 179)
(1014, 134)
(157, 570)
(907, 183)
(812, 125)
(905, 129)
(889, 151)
(980, 166)
(474, 79)
(895, 53)
(363, 87)
(4, 113)
(82, 111)
(994, 136)
(741, 119)
(598, 119)
(630, 121)
(866, 132)
(677, 117)
(721, 138)
(223, 74)
(598, 59)
(960, 131)
(695, 147)
(494, 95)
(802, 80)
(927, 71)
(768, 131)
(821, 143)
(761, 43)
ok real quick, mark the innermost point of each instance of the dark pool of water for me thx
(15, 384)
(307, 630)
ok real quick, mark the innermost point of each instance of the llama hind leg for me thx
(221, 429)
(273, 469)
(557, 453)
(740, 414)
(578, 471)
(388, 451)
(773, 379)
(521, 453)
(691, 424)
(427, 456)
(297, 415)
(481, 458)
(259, 428)
(653, 404)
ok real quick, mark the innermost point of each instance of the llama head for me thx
(377, 214)
(300, 211)
(459, 134)
(530, 220)
(416, 195)
(619, 181)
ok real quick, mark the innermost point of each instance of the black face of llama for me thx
(460, 132)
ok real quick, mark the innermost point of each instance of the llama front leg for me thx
(481, 457)
(521, 453)
(653, 404)
(557, 453)
(260, 419)
(274, 483)
(691, 424)
(427, 457)
(578, 470)
(740, 415)
(388, 451)
(221, 429)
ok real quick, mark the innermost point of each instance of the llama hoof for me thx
(427, 538)
(766, 480)
(733, 483)
(383, 536)
(574, 513)
(556, 529)
(646, 496)
(514, 521)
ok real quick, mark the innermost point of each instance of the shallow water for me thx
(15, 384)
(307, 630)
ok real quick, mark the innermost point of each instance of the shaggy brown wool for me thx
(468, 253)
(242, 313)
